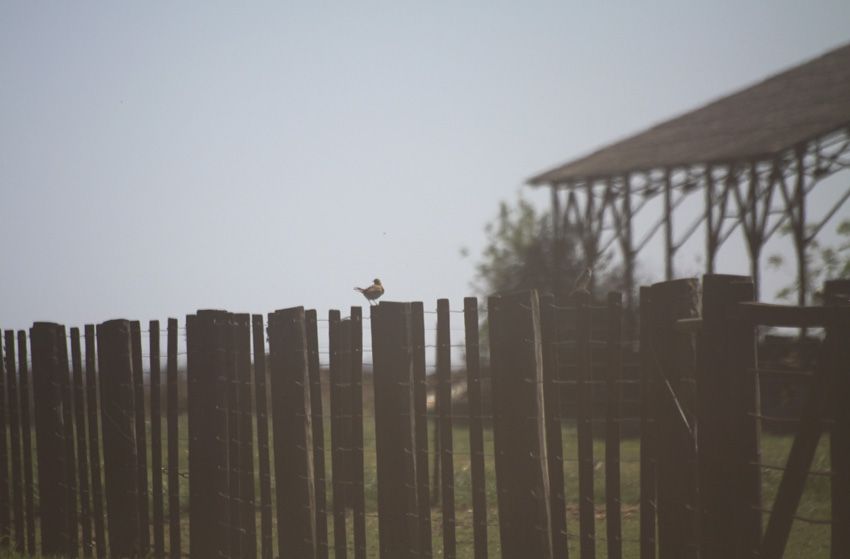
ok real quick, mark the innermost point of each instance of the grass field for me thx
(808, 541)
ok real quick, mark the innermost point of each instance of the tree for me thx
(520, 250)
(823, 263)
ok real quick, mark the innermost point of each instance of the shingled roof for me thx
(799, 104)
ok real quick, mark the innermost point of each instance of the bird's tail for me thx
(358, 289)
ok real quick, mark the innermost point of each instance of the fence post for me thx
(648, 431)
(522, 475)
(837, 293)
(15, 440)
(358, 497)
(420, 410)
(141, 435)
(444, 393)
(552, 407)
(72, 534)
(673, 353)
(94, 442)
(260, 375)
(336, 370)
(476, 428)
(172, 427)
(5, 524)
(119, 437)
(318, 430)
(246, 435)
(50, 437)
(584, 425)
(721, 374)
(26, 432)
(614, 326)
(156, 440)
(208, 480)
(82, 451)
(290, 384)
(234, 465)
(398, 509)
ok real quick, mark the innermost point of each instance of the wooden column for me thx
(82, 448)
(614, 368)
(648, 431)
(156, 441)
(120, 460)
(261, 398)
(358, 497)
(93, 413)
(72, 536)
(398, 509)
(26, 440)
(294, 482)
(420, 406)
(522, 475)
(141, 435)
(15, 441)
(444, 393)
(476, 428)
(50, 437)
(337, 373)
(172, 427)
(318, 430)
(674, 355)
(584, 426)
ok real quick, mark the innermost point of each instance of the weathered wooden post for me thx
(82, 448)
(120, 461)
(258, 337)
(552, 408)
(420, 410)
(837, 293)
(584, 425)
(242, 347)
(141, 435)
(614, 367)
(26, 439)
(648, 431)
(294, 482)
(93, 413)
(50, 437)
(337, 373)
(358, 496)
(72, 536)
(444, 394)
(156, 440)
(318, 429)
(674, 354)
(725, 361)
(476, 427)
(15, 440)
(172, 427)
(398, 508)
(207, 406)
(519, 431)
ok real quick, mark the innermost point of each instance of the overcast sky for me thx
(161, 157)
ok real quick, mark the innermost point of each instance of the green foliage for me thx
(520, 250)
(822, 263)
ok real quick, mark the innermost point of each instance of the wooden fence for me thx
(297, 440)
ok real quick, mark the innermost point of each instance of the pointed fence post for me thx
(522, 475)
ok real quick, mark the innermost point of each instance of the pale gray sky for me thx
(160, 157)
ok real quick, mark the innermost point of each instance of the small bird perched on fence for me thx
(373, 291)
(582, 284)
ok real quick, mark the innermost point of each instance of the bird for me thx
(372, 292)
(583, 282)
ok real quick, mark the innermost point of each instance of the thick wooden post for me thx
(82, 449)
(554, 442)
(5, 518)
(584, 427)
(15, 441)
(420, 410)
(444, 392)
(648, 431)
(522, 475)
(290, 384)
(674, 353)
(26, 440)
(50, 437)
(338, 421)
(476, 428)
(173, 444)
(242, 341)
(156, 441)
(208, 479)
(141, 435)
(316, 407)
(614, 367)
(260, 376)
(398, 508)
(72, 536)
(358, 496)
(119, 437)
(93, 412)
(837, 293)
(234, 465)
(725, 426)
